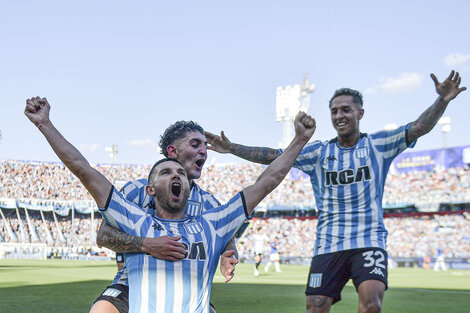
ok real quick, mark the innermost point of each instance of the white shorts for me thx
(274, 257)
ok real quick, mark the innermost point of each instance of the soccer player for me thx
(440, 262)
(260, 239)
(348, 176)
(184, 141)
(274, 256)
(162, 285)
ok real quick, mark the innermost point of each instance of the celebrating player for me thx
(161, 285)
(348, 176)
(184, 141)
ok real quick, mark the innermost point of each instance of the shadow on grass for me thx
(48, 266)
(230, 298)
(65, 297)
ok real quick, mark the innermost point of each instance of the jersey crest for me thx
(193, 208)
(193, 227)
(362, 153)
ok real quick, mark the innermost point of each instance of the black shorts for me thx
(330, 272)
(117, 295)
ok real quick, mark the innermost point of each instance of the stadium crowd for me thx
(413, 236)
(57, 183)
(409, 236)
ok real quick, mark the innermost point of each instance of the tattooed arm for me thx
(116, 240)
(165, 247)
(222, 144)
(447, 91)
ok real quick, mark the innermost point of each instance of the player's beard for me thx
(171, 205)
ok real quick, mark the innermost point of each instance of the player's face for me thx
(192, 153)
(345, 116)
(171, 186)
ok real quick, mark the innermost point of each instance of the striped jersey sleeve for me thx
(227, 219)
(123, 214)
(134, 191)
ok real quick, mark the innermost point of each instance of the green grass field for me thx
(70, 286)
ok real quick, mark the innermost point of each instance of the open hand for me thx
(219, 144)
(449, 88)
(164, 248)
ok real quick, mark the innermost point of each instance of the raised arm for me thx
(278, 169)
(447, 91)
(222, 144)
(37, 110)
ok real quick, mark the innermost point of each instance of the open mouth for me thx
(200, 163)
(176, 189)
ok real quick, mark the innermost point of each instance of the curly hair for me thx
(177, 131)
(357, 96)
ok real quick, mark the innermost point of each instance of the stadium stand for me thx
(43, 203)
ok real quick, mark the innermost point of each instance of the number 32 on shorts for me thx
(374, 258)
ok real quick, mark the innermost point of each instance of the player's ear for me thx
(172, 151)
(150, 190)
(361, 113)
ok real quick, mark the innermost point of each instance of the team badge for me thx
(111, 292)
(193, 208)
(362, 153)
(315, 280)
(193, 227)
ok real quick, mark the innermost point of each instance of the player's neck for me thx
(349, 140)
(169, 215)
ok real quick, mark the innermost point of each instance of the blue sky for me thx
(119, 72)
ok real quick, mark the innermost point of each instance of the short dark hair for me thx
(158, 163)
(177, 131)
(357, 96)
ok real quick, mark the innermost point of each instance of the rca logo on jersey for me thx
(346, 177)
(197, 251)
(377, 271)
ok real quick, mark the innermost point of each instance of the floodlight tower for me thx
(445, 122)
(113, 151)
(289, 101)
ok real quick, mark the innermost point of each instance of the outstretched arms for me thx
(278, 169)
(222, 144)
(447, 91)
(37, 110)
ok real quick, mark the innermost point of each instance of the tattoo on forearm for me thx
(427, 120)
(256, 154)
(119, 241)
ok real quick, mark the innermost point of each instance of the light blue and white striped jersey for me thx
(134, 191)
(348, 184)
(181, 286)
